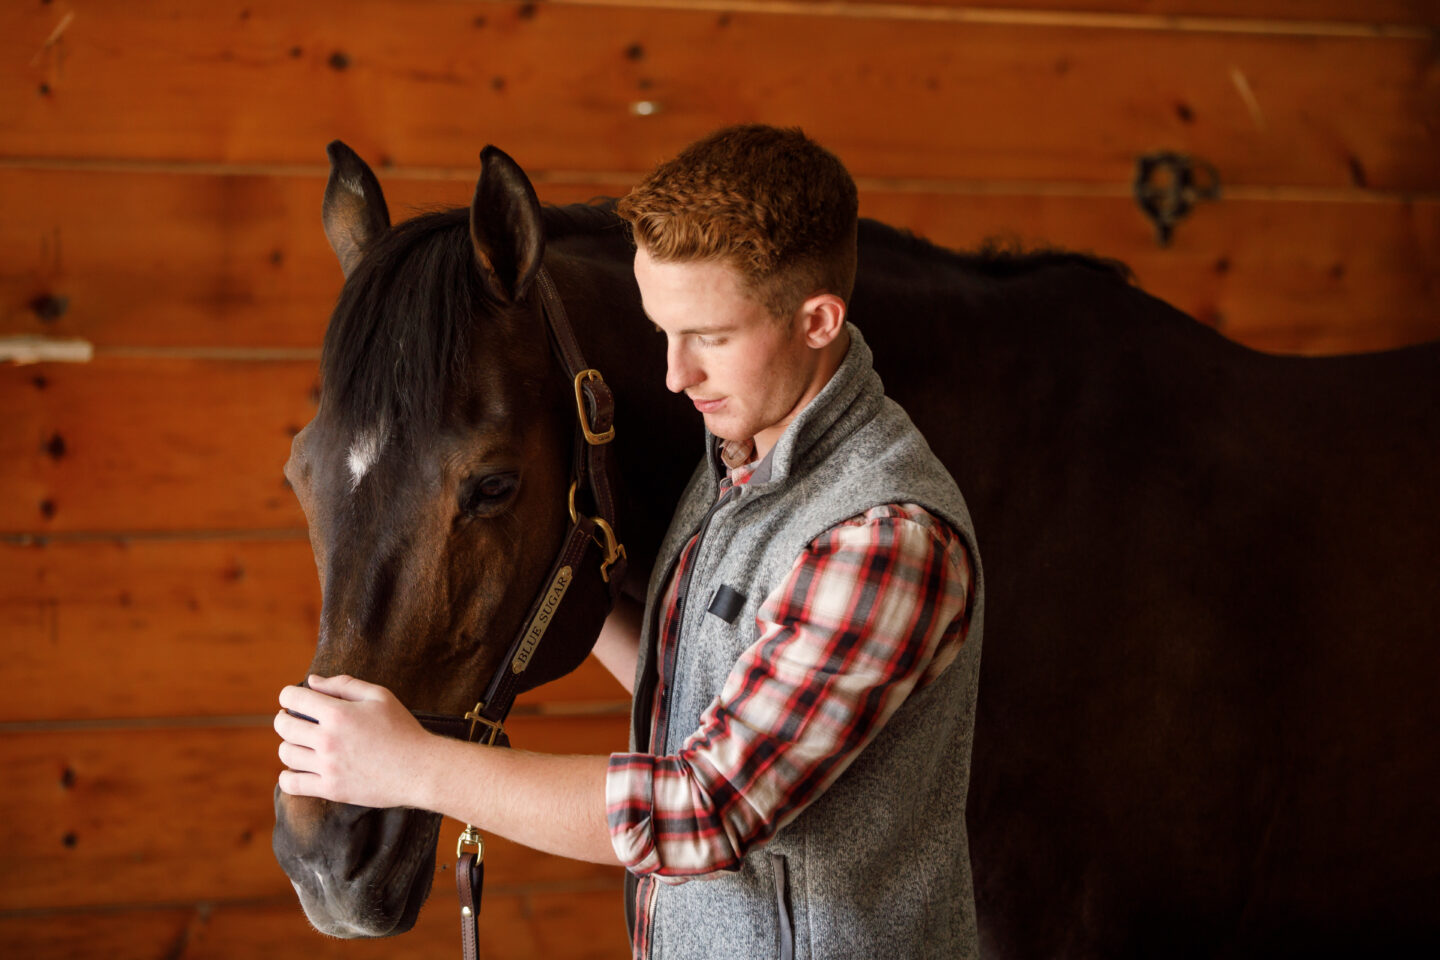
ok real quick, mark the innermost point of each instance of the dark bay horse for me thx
(1208, 711)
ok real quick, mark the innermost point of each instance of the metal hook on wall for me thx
(1168, 185)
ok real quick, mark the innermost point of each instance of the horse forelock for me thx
(398, 344)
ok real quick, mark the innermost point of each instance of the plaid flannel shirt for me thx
(874, 607)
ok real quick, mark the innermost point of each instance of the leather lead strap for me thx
(469, 879)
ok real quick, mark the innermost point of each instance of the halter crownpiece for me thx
(578, 593)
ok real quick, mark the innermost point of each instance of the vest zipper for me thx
(681, 596)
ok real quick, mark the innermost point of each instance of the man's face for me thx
(748, 373)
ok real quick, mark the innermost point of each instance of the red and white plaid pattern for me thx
(874, 608)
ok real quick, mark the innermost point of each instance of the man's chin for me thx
(726, 430)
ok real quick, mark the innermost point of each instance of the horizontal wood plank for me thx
(147, 629)
(178, 815)
(570, 925)
(1360, 11)
(151, 444)
(240, 262)
(109, 631)
(1313, 277)
(114, 630)
(425, 84)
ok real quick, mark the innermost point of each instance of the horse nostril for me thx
(358, 837)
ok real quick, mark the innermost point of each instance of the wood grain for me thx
(421, 84)
(128, 629)
(581, 924)
(239, 262)
(181, 814)
(1258, 12)
(1314, 277)
(151, 445)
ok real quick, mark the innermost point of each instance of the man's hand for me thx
(365, 748)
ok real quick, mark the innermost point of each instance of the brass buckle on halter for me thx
(604, 539)
(591, 437)
(471, 837)
(495, 728)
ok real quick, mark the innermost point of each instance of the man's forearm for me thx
(550, 802)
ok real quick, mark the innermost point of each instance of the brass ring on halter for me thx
(604, 536)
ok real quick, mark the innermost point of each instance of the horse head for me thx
(433, 479)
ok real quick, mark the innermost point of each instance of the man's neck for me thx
(831, 357)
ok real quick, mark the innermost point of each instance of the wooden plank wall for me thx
(161, 165)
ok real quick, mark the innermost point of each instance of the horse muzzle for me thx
(359, 872)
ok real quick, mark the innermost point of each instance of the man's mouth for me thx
(707, 406)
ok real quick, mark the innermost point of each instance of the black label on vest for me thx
(728, 603)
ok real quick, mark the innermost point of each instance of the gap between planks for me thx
(1165, 23)
(39, 539)
(556, 709)
(596, 885)
(622, 179)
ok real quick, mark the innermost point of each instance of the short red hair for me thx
(770, 202)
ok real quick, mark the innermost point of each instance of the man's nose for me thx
(681, 372)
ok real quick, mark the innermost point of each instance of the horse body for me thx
(1205, 724)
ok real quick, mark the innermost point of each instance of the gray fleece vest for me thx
(878, 865)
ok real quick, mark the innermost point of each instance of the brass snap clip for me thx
(470, 837)
(604, 537)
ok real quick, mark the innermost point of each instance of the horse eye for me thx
(484, 496)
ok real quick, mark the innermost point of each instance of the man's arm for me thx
(367, 749)
(873, 608)
(619, 645)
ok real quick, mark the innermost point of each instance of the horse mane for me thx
(399, 337)
(996, 258)
(596, 216)
(398, 342)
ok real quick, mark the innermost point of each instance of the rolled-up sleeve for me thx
(873, 608)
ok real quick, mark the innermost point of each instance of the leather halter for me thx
(578, 594)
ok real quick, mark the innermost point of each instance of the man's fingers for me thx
(309, 703)
(346, 687)
(299, 784)
(296, 729)
(299, 759)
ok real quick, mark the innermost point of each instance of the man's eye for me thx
(711, 341)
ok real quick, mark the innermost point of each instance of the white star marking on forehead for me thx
(363, 454)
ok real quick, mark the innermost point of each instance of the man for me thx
(804, 673)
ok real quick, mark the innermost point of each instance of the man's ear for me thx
(823, 316)
(354, 210)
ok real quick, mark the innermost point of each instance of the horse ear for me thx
(355, 212)
(505, 227)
